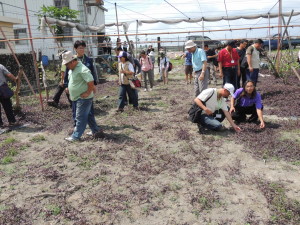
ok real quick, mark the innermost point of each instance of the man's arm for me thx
(249, 62)
(204, 66)
(89, 90)
(12, 77)
(202, 106)
(228, 117)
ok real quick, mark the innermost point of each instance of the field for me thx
(153, 166)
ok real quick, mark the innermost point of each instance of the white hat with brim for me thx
(68, 57)
(229, 87)
(190, 44)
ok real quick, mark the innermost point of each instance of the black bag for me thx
(195, 111)
(5, 91)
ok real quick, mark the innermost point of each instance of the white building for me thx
(91, 13)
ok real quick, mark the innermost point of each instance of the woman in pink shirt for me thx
(147, 69)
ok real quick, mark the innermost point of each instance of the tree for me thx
(63, 13)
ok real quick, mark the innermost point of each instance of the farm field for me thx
(153, 166)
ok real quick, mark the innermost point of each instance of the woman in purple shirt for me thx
(245, 101)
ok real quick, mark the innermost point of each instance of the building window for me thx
(21, 33)
(89, 9)
(68, 31)
(62, 3)
(2, 44)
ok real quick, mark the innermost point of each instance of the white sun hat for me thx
(67, 57)
(190, 44)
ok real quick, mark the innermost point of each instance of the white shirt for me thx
(213, 103)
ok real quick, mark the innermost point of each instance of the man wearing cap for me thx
(81, 89)
(229, 65)
(253, 60)
(199, 62)
(215, 109)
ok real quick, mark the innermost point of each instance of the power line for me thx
(177, 9)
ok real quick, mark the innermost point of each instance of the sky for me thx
(132, 10)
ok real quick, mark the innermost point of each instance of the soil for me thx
(153, 166)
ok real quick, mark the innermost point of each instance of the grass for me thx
(38, 138)
(54, 209)
(6, 160)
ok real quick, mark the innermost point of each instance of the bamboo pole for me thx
(34, 57)
(157, 33)
(17, 61)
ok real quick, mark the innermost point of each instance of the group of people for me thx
(78, 80)
(106, 46)
(233, 63)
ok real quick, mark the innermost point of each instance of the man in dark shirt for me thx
(241, 49)
(211, 57)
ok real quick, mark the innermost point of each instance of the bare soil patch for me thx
(153, 166)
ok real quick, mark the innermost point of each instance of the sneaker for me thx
(53, 103)
(151, 89)
(145, 89)
(89, 133)
(71, 139)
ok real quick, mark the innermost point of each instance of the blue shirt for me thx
(198, 57)
(246, 101)
(188, 58)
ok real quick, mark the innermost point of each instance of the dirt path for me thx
(153, 167)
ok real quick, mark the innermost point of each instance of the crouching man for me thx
(81, 89)
(214, 108)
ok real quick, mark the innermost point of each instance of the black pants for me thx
(109, 50)
(243, 77)
(7, 106)
(240, 113)
(58, 94)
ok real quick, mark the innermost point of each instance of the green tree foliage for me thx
(58, 13)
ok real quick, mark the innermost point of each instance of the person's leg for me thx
(122, 93)
(163, 75)
(196, 83)
(151, 78)
(226, 75)
(7, 106)
(167, 76)
(210, 122)
(1, 122)
(68, 97)
(92, 121)
(239, 115)
(203, 84)
(58, 93)
(83, 108)
(252, 111)
(144, 74)
(254, 76)
(74, 112)
(208, 69)
(213, 72)
(234, 77)
(247, 74)
(132, 95)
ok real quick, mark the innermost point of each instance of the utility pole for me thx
(34, 57)
(279, 35)
(117, 22)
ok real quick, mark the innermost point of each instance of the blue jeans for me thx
(84, 116)
(252, 76)
(230, 76)
(74, 111)
(211, 122)
(122, 96)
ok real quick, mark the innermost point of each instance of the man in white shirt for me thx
(215, 109)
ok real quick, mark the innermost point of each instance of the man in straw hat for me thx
(199, 62)
(81, 89)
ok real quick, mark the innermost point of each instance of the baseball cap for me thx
(123, 54)
(229, 87)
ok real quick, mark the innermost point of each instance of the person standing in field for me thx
(164, 65)
(253, 60)
(199, 62)
(147, 69)
(229, 64)
(188, 67)
(241, 49)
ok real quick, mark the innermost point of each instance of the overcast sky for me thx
(160, 9)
